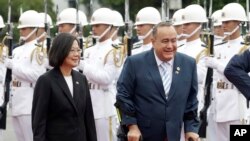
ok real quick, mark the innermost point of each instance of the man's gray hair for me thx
(161, 24)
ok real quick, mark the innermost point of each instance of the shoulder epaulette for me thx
(137, 45)
(245, 43)
(180, 45)
(221, 43)
(116, 46)
(203, 45)
(39, 53)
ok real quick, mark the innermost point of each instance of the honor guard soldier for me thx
(41, 33)
(145, 20)
(178, 25)
(26, 68)
(99, 66)
(228, 105)
(117, 43)
(217, 28)
(118, 22)
(2, 74)
(67, 20)
(193, 18)
(41, 38)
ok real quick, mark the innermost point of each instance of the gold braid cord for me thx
(88, 42)
(242, 49)
(204, 52)
(118, 55)
(39, 53)
(4, 50)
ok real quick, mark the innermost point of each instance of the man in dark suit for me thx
(237, 71)
(154, 105)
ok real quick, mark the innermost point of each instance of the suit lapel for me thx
(63, 84)
(76, 87)
(175, 76)
(154, 72)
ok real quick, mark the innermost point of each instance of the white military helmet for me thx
(42, 20)
(68, 15)
(177, 17)
(194, 14)
(148, 15)
(2, 25)
(216, 17)
(29, 18)
(102, 16)
(118, 20)
(233, 11)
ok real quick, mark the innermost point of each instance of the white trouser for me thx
(219, 131)
(211, 128)
(1, 134)
(22, 127)
(223, 132)
(106, 129)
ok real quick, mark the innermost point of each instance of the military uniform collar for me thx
(31, 42)
(108, 41)
(198, 40)
(237, 40)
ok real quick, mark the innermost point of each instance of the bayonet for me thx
(46, 26)
(128, 29)
(79, 30)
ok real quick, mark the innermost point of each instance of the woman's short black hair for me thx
(60, 48)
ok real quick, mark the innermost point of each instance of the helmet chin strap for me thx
(146, 35)
(41, 36)
(24, 38)
(192, 33)
(73, 30)
(113, 34)
(227, 34)
(104, 33)
(180, 36)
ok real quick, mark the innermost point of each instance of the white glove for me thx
(211, 62)
(8, 63)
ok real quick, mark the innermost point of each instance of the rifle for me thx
(208, 81)
(122, 130)
(47, 26)
(247, 37)
(79, 31)
(128, 30)
(165, 10)
(57, 17)
(207, 92)
(9, 36)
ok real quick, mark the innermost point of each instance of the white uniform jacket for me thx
(101, 71)
(227, 104)
(195, 50)
(25, 72)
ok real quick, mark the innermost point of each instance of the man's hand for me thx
(191, 136)
(134, 133)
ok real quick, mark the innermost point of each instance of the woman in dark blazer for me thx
(62, 108)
